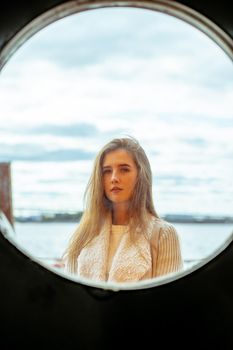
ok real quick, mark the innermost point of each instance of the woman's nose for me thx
(114, 177)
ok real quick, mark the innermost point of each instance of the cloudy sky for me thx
(112, 72)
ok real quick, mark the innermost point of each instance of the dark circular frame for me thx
(201, 300)
(66, 8)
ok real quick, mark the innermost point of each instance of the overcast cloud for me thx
(106, 73)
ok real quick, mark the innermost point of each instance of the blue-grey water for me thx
(47, 241)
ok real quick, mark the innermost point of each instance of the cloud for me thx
(127, 60)
(111, 35)
(32, 152)
(184, 181)
(196, 141)
(68, 130)
(115, 33)
(97, 74)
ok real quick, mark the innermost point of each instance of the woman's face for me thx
(119, 176)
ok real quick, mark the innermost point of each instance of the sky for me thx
(112, 72)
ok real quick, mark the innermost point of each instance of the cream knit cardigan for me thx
(155, 253)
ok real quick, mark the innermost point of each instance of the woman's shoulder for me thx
(160, 223)
(162, 228)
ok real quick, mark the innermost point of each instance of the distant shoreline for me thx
(175, 218)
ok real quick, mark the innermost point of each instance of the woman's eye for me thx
(124, 170)
(106, 171)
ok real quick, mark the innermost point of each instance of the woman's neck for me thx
(120, 214)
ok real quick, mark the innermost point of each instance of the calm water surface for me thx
(47, 241)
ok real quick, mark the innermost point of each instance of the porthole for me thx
(197, 95)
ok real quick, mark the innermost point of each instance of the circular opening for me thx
(200, 143)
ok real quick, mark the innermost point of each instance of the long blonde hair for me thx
(99, 208)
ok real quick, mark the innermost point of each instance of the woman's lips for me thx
(116, 190)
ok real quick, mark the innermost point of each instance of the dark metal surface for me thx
(40, 309)
(14, 17)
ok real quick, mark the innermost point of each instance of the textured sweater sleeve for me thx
(168, 256)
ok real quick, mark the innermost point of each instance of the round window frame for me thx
(169, 7)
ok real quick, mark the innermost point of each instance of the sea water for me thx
(47, 241)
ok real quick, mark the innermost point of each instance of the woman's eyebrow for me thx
(121, 164)
(125, 164)
(106, 167)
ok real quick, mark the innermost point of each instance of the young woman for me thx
(120, 236)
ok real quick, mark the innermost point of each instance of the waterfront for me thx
(47, 241)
